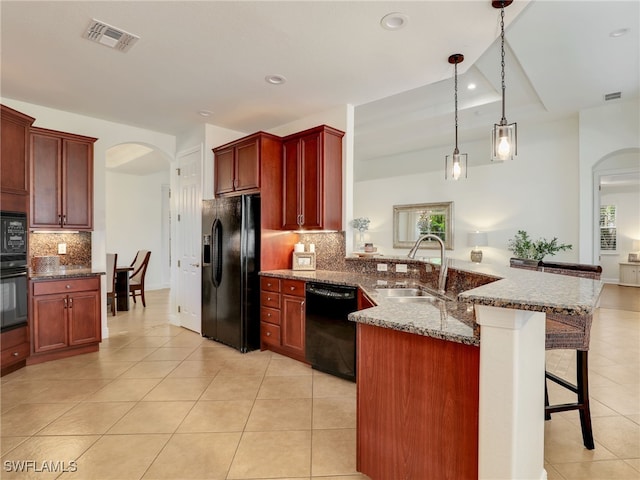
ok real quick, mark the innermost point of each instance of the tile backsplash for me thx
(330, 249)
(78, 247)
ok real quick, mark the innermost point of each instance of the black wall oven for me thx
(13, 269)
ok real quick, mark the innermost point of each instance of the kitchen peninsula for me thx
(453, 387)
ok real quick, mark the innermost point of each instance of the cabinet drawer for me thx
(270, 284)
(293, 287)
(47, 287)
(270, 334)
(270, 299)
(270, 315)
(14, 337)
(14, 354)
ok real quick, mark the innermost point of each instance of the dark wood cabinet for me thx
(14, 159)
(312, 186)
(15, 349)
(61, 180)
(65, 317)
(282, 316)
(14, 174)
(237, 166)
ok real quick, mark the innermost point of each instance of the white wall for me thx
(136, 217)
(603, 130)
(537, 192)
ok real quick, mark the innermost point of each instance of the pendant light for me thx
(455, 166)
(504, 140)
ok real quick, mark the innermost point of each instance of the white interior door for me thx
(188, 231)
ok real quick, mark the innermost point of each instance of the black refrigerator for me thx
(230, 267)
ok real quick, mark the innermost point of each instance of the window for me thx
(608, 230)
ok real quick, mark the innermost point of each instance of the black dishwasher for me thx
(331, 338)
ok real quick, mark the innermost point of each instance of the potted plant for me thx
(525, 248)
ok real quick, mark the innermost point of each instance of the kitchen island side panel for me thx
(417, 406)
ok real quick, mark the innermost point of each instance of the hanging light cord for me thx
(455, 89)
(504, 120)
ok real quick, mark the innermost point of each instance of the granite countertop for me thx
(65, 272)
(453, 318)
(439, 317)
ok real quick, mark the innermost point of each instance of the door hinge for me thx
(178, 308)
(178, 171)
(178, 263)
(178, 217)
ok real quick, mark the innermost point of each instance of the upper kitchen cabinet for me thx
(14, 160)
(312, 193)
(61, 180)
(237, 165)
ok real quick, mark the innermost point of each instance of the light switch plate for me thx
(62, 248)
(401, 268)
(382, 267)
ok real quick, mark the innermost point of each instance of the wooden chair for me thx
(112, 258)
(571, 332)
(136, 280)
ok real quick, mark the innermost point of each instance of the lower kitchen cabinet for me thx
(65, 318)
(282, 316)
(630, 274)
(15, 349)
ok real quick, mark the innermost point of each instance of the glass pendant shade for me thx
(504, 142)
(455, 166)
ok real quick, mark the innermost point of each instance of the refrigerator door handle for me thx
(216, 271)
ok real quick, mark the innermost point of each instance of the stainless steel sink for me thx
(418, 299)
(399, 292)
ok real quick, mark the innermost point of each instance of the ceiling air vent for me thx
(109, 36)
(612, 96)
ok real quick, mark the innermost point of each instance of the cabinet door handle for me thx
(64, 220)
(71, 303)
(268, 334)
(15, 354)
(65, 303)
(268, 315)
(292, 288)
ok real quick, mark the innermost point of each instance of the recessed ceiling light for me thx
(394, 21)
(204, 113)
(471, 86)
(275, 79)
(618, 33)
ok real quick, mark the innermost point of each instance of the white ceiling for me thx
(212, 55)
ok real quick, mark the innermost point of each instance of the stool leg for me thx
(547, 415)
(583, 398)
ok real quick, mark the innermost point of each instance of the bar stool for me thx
(570, 332)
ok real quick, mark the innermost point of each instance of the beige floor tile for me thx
(325, 385)
(196, 368)
(148, 341)
(124, 390)
(552, 473)
(28, 418)
(152, 417)
(602, 470)
(128, 354)
(9, 443)
(50, 455)
(280, 414)
(195, 456)
(625, 374)
(272, 455)
(65, 391)
(563, 443)
(248, 366)
(111, 457)
(88, 418)
(297, 386)
(357, 476)
(186, 339)
(178, 389)
(635, 463)
(634, 418)
(624, 399)
(149, 369)
(280, 365)
(334, 412)
(233, 388)
(103, 369)
(619, 435)
(217, 416)
(333, 452)
(170, 353)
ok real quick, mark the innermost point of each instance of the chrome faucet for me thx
(442, 278)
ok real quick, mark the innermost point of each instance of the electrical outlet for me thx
(62, 248)
(382, 267)
(401, 268)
